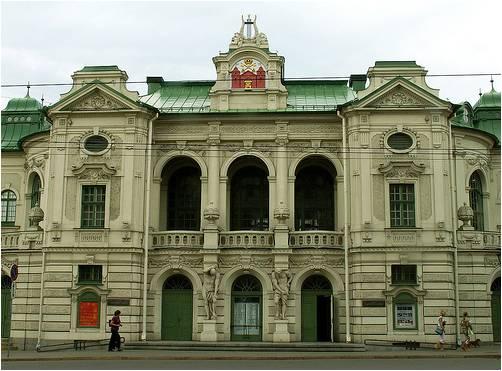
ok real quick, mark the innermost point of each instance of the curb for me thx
(239, 357)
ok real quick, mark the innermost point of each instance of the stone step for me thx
(246, 346)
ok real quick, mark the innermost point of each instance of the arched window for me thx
(315, 195)
(9, 200)
(249, 198)
(182, 178)
(35, 191)
(476, 200)
(405, 312)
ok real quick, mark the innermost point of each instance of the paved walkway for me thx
(487, 351)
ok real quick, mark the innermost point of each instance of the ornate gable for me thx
(97, 100)
(399, 97)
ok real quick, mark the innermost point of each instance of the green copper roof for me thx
(193, 96)
(99, 68)
(396, 64)
(23, 104)
(490, 99)
(21, 118)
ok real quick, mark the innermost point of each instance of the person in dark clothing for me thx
(114, 327)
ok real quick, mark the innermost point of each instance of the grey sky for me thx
(45, 42)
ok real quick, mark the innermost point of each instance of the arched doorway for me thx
(180, 195)
(177, 308)
(495, 288)
(315, 195)
(317, 309)
(6, 305)
(249, 195)
(246, 309)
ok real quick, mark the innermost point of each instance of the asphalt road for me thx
(323, 364)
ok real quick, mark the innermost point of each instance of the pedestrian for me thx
(441, 325)
(466, 328)
(114, 328)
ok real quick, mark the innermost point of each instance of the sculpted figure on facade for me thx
(211, 281)
(281, 280)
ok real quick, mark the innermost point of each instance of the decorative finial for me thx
(42, 99)
(480, 94)
(491, 81)
(28, 92)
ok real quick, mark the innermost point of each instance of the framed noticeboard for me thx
(88, 310)
(405, 316)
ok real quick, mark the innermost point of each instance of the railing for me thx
(178, 239)
(478, 239)
(10, 240)
(491, 239)
(316, 239)
(240, 239)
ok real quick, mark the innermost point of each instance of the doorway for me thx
(246, 309)
(317, 309)
(177, 308)
(495, 288)
(6, 305)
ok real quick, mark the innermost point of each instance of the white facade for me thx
(245, 128)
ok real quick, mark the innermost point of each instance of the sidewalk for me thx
(487, 351)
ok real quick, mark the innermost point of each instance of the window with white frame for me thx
(93, 206)
(402, 205)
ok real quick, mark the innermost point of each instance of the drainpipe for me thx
(39, 336)
(146, 233)
(346, 227)
(453, 195)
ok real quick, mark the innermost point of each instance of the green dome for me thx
(489, 100)
(23, 104)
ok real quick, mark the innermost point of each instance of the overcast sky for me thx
(45, 42)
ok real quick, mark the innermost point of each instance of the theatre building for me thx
(203, 209)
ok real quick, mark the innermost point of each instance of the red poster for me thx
(88, 314)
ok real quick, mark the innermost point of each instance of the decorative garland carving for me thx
(96, 101)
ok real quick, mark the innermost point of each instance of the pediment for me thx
(95, 98)
(401, 93)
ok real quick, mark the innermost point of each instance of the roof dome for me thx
(25, 104)
(488, 100)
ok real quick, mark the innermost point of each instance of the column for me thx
(281, 210)
(211, 212)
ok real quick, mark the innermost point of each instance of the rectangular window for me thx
(402, 205)
(404, 274)
(90, 274)
(93, 206)
(405, 316)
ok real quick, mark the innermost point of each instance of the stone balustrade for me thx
(10, 240)
(246, 239)
(315, 239)
(478, 239)
(177, 239)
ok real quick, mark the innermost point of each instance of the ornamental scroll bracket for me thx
(401, 169)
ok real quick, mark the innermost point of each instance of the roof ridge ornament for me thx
(246, 36)
(28, 92)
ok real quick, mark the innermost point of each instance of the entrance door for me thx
(6, 305)
(177, 308)
(316, 309)
(246, 309)
(496, 309)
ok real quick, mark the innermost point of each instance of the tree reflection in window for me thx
(315, 195)
(476, 200)
(183, 199)
(249, 199)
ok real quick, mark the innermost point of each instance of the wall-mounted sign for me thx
(13, 272)
(405, 315)
(373, 303)
(119, 302)
(88, 314)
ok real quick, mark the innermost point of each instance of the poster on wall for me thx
(405, 316)
(88, 314)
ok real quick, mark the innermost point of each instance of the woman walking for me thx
(441, 325)
(114, 327)
(466, 328)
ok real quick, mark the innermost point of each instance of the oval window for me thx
(96, 143)
(400, 141)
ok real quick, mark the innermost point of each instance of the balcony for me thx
(316, 239)
(178, 239)
(246, 239)
(478, 239)
(22, 239)
(10, 240)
